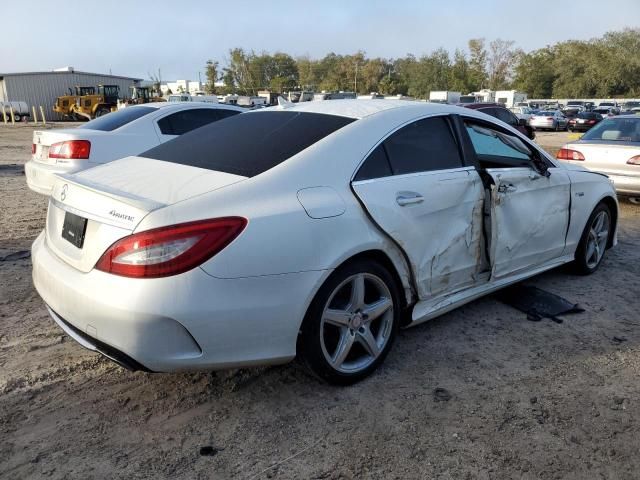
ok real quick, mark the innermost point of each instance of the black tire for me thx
(581, 264)
(318, 337)
(102, 111)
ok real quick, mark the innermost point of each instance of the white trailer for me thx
(185, 97)
(20, 110)
(444, 96)
(510, 97)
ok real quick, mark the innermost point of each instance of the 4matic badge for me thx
(122, 216)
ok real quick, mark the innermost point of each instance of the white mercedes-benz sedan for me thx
(313, 231)
(129, 131)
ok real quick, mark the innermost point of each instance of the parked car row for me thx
(313, 231)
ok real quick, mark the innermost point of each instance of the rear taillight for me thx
(592, 121)
(568, 154)
(634, 160)
(33, 149)
(75, 149)
(166, 251)
(549, 118)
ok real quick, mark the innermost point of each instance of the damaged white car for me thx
(315, 231)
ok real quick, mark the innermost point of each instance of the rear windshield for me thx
(615, 130)
(587, 115)
(113, 120)
(248, 144)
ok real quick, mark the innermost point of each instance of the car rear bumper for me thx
(185, 322)
(40, 176)
(542, 124)
(626, 184)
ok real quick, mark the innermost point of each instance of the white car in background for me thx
(345, 221)
(126, 132)
(611, 147)
(524, 113)
(549, 120)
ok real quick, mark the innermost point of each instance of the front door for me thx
(529, 209)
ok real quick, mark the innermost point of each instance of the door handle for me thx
(507, 188)
(409, 198)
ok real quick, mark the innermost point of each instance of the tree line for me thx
(608, 66)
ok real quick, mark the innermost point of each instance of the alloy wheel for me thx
(597, 239)
(356, 323)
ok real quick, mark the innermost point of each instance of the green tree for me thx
(477, 64)
(211, 72)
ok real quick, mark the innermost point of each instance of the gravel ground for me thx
(480, 392)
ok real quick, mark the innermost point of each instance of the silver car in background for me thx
(549, 120)
(611, 147)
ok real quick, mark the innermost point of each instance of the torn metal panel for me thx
(529, 218)
(440, 229)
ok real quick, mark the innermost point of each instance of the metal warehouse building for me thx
(42, 88)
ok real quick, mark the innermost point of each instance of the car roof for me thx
(477, 105)
(361, 108)
(164, 105)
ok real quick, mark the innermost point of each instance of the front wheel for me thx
(351, 323)
(594, 241)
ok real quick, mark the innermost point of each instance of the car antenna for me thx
(282, 103)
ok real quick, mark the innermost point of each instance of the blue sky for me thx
(140, 37)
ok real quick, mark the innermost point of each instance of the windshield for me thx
(615, 130)
(113, 120)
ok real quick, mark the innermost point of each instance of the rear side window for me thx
(423, 146)
(506, 116)
(375, 166)
(186, 120)
(248, 144)
(120, 118)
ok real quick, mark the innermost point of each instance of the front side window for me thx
(497, 149)
(422, 146)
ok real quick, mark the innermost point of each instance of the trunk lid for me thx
(114, 198)
(608, 158)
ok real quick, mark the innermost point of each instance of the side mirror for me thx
(522, 122)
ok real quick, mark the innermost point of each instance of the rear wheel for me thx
(594, 241)
(351, 323)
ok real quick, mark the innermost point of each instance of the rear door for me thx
(179, 123)
(416, 188)
(529, 211)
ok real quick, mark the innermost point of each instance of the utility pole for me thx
(355, 81)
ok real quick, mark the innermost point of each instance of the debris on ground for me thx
(441, 395)
(537, 303)
(20, 255)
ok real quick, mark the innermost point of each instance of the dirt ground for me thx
(521, 399)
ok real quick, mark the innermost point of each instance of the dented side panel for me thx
(529, 218)
(440, 234)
